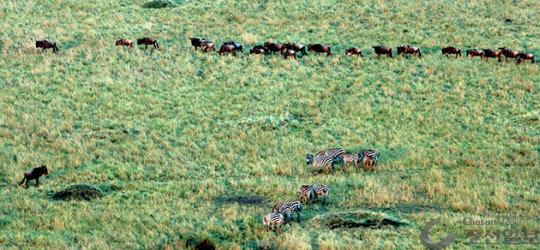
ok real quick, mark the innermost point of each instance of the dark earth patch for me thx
(242, 200)
(78, 192)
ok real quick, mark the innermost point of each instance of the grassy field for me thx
(178, 134)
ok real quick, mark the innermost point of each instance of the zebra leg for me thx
(298, 216)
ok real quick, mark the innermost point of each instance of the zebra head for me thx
(338, 159)
(309, 159)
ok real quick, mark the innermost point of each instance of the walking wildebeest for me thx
(489, 53)
(474, 52)
(197, 42)
(147, 41)
(353, 51)
(319, 48)
(407, 49)
(380, 50)
(124, 42)
(524, 56)
(208, 46)
(288, 53)
(451, 50)
(229, 48)
(296, 47)
(44, 44)
(258, 49)
(237, 46)
(506, 52)
(273, 47)
(34, 175)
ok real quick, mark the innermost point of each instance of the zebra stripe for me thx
(369, 158)
(273, 221)
(320, 191)
(325, 159)
(306, 193)
(296, 207)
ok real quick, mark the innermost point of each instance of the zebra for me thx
(286, 211)
(325, 159)
(369, 157)
(273, 221)
(320, 190)
(296, 207)
(351, 158)
(306, 193)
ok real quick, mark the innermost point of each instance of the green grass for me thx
(174, 131)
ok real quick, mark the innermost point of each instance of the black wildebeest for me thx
(34, 175)
(474, 52)
(196, 42)
(273, 47)
(288, 53)
(319, 48)
(353, 51)
(508, 53)
(407, 49)
(44, 44)
(229, 48)
(489, 53)
(258, 49)
(524, 56)
(380, 50)
(451, 50)
(296, 47)
(237, 46)
(147, 41)
(124, 42)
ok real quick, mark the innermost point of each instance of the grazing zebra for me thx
(286, 211)
(306, 193)
(296, 207)
(320, 190)
(351, 158)
(369, 157)
(273, 221)
(325, 159)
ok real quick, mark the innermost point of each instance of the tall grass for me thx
(175, 130)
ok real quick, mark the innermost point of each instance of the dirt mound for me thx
(242, 200)
(158, 4)
(205, 244)
(356, 219)
(79, 192)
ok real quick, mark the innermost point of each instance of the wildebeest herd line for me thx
(291, 50)
(324, 160)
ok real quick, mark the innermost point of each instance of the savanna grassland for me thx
(176, 134)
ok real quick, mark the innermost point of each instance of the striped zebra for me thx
(325, 159)
(273, 221)
(296, 207)
(351, 159)
(306, 193)
(320, 190)
(369, 157)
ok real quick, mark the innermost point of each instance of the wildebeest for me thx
(147, 41)
(489, 53)
(353, 51)
(451, 50)
(407, 49)
(258, 49)
(296, 47)
(524, 56)
(319, 48)
(474, 52)
(35, 174)
(237, 46)
(197, 42)
(44, 44)
(207, 46)
(380, 50)
(288, 53)
(124, 42)
(273, 47)
(228, 48)
(506, 52)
